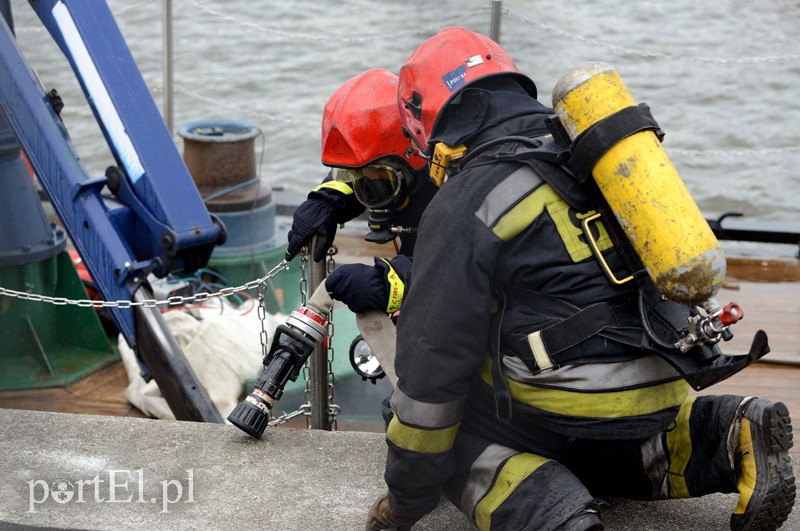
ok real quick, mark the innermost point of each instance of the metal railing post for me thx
(497, 15)
(166, 22)
(318, 362)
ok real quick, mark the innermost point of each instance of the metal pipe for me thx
(497, 15)
(166, 22)
(318, 362)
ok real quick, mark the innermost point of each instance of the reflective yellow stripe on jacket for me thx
(625, 402)
(521, 198)
(424, 427)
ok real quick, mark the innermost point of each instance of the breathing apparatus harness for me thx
(678, 333)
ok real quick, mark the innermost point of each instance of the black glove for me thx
(382, 516)
(326, 206)
(364, 287)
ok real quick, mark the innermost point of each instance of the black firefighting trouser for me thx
(500, 487)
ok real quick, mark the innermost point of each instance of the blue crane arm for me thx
(159, 223)
(157, 186)
(156, 223)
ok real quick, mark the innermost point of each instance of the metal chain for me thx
(262, 316)
(259, 285)
(305, 409)
(303, 279)
(147, 303)
(333, 409)
(261, 288)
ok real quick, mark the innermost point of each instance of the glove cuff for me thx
(396, 289)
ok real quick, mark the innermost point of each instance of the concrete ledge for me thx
(118, 472)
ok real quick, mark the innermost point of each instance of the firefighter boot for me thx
(764, 472)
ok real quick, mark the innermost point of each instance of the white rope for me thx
(37, 29)
(431, 29)
(735, 153)
(317, 37)
(790, 57)
(758, 152)
(266, 115)
(127, 8)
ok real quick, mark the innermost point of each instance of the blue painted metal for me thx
(170, 203)
(75, 197)
(160, 223)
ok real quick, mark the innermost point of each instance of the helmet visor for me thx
(375, 185)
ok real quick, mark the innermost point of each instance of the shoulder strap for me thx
(544, 155)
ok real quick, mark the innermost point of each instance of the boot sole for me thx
(778, 498)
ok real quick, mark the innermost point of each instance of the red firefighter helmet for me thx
(361, 123)
(439, 68)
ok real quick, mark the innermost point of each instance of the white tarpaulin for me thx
(222, 346)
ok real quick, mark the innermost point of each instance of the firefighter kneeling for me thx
(533, 377)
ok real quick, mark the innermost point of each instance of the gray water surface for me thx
(720, 77)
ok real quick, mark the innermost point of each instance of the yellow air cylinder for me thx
(643, 189)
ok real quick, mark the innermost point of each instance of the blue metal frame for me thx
(160, 223)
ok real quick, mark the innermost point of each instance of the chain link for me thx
(305, 409)
(333, 409)
(147, 303)
(306, 371)
(303, 279)
(262, 316)
(261, 287)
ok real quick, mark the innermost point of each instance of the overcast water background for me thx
(720, 77)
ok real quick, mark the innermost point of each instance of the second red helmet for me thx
(361, 123)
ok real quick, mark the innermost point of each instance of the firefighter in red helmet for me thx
(373, 169)
(528, 382)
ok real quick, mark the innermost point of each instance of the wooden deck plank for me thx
(100, 393)
(766, 380)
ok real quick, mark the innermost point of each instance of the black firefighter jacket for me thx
(494, 226)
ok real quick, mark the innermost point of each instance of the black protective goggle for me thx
(375, 185)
